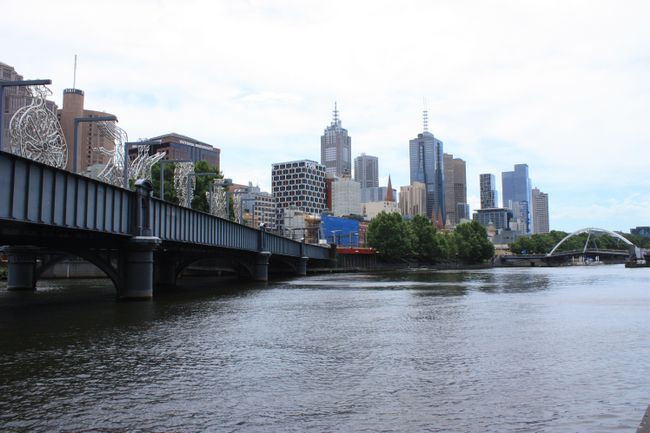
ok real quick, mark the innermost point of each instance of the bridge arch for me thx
(102, 262)
(589, 231)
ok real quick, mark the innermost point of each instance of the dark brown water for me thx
(514, 350)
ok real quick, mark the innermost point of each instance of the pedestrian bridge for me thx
(589, 253)
(137, 240)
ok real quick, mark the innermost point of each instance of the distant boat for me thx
(639, 263)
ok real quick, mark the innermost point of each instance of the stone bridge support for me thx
(137, 264)
(21, 267)
(260, 271)
(137, 269)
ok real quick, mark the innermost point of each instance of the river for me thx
(496, 350)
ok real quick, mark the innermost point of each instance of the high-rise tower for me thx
(455, 189)
(366, 170)
(517, 195)
(426, 163)
(540, 211)
(336, 148)
(489, 197)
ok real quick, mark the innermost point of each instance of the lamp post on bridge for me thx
(220, 182)
(17, 83)
(334, 232)
(79, 120)
(127, 144)
(244, 200)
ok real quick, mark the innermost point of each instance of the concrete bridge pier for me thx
(260, 271)
(137, 269)
(21, 267)
(301, 268)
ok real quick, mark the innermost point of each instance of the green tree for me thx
(426, 242)
(540, 243)
(472, 243)
(200, 199)
(170, 191)
(390, 236)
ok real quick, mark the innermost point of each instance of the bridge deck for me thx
(35, 194)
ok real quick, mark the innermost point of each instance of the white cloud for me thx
(560, 85)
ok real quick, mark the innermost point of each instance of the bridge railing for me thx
(171, 222)
(317, 252)
(33, 192)
(175, 223)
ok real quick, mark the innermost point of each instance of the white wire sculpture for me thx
(182, 179)
(140, 167)
(218, 200)
(237, 205)
(113, 171)
(35, 131)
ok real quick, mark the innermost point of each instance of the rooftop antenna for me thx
(425, 115)
(74, 77)
(336, 114)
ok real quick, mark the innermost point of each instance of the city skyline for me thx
(567, 101)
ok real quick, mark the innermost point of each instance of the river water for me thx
(503, 350)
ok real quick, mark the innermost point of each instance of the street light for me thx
(19, 83)
(189, 183)
(334, 232)
(77, 121)
(243, 200)
(126, 156)
(162, 173)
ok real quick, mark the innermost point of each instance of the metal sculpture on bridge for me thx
(589, 232)
(238, 208)
(36, 133)
(140, 167)
(218, 200)
(113, 171)
(184, 183)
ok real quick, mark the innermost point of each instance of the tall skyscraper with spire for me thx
(336, 148)
(426, 163)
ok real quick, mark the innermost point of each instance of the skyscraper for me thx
(413, 199)
(540, 211)
(336, 148)
(300, 184)
(489, 196)
(517, 195)
(426, 163)
(91, 137)
(455, 189)
(366, 170)
(14, 98)
(346, 197)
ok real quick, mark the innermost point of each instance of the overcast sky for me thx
(563, 86)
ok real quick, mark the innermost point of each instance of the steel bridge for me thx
(137, 240)
(585, 255)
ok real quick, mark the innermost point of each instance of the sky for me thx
(560, 85)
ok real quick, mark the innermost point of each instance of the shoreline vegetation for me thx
(418, 241)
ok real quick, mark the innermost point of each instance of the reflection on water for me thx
(560, 349)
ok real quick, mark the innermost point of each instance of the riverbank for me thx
(400, 266)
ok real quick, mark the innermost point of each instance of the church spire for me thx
(389, 191)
